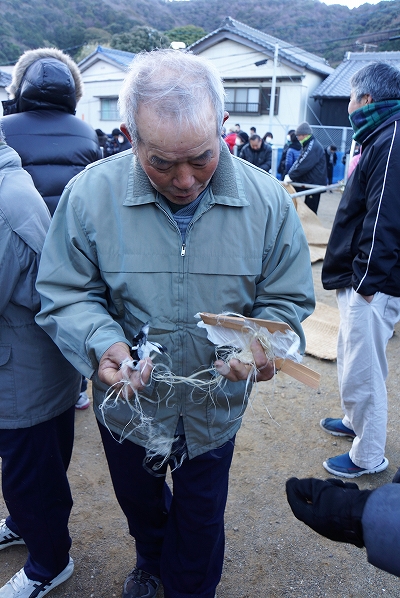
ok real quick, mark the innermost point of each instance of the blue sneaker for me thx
(344, 467)
(336, 427)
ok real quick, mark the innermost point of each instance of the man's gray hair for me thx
(379, 79)
(179, 86)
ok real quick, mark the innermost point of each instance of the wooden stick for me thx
(237, 323)
(296, 370)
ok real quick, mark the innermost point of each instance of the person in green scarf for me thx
(363, 264)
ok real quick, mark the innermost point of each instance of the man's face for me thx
(355, 105)
(179, 164)
(255, 144)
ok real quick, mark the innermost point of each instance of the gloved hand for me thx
(287, 179)
(396, 477)
(332, 508)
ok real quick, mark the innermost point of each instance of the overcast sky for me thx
(351, 3)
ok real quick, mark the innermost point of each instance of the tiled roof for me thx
(337, 85)
(5, 79)
(291, 53)
(123, 58)
(120, 57)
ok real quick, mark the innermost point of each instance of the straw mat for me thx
(321, 330)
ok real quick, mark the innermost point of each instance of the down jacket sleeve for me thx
(381, 528)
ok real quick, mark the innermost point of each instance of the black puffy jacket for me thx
(261, 158)
(310, 166)
(364, 246)
(54, 145)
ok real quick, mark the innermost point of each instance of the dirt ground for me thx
(269, 554)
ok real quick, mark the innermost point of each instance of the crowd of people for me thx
(303, 158)
(107, 308)
(112, 144)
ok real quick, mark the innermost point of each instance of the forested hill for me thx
(329, 31)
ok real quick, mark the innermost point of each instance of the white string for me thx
(158, 442)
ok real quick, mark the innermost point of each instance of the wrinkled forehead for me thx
(175, 120)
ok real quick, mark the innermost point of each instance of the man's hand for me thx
(332, 508)
(110, 371)
(236, 370)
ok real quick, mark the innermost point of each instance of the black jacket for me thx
(364, 246)
(310, 166)
(54, 145)
(261, 158)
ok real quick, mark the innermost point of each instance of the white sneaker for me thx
(83, 402)
(20, 586)
(7, 537)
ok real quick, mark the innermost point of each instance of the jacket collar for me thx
(226, 186)
(386, 123)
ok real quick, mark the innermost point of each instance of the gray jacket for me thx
(113, 260)
(36, 382)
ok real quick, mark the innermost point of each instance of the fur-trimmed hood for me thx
(30, 56)
(42, 79)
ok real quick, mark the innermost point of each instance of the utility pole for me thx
(273, 87)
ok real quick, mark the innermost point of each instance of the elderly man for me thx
(257, 152)
(157, 237)
(363, 263)
(310, 166)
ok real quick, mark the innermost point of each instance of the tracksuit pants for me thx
(364, 331)
(36, 491)
(179, 537)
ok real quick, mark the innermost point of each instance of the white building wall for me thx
(3, 97)
(237, 61)
(101, 80)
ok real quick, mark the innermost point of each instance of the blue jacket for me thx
(381, 528)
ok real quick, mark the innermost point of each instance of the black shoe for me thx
(140, 584)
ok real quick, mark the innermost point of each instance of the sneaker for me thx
(140, 584)
(344, 467)
(83, 402)
(20, 586)
(336, 427)
(7, 537)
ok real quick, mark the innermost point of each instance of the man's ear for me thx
(226, 116)
(125, 132)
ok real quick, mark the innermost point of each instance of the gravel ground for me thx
(269, 554)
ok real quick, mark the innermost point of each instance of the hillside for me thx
(329, 31)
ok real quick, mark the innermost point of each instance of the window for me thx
(109, 109)
(254, 100)
(265, 102)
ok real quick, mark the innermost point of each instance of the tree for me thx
(140, 38)
(187, 34)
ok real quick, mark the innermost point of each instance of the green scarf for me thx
(305, 139)
(366, 119)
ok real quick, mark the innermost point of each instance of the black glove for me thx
(332, 508)
(396, 477)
